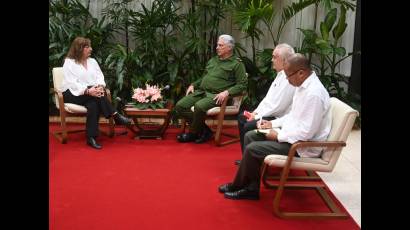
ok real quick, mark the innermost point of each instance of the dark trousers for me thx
(256, 149)
(245, 126)
(202, 102)
(95, 106)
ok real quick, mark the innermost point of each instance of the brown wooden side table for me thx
(143, 129)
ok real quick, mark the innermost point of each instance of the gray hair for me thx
(285, 50)
(228, 39)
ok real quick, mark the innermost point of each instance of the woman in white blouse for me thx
(84, 84)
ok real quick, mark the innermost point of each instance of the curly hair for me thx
(77, 47)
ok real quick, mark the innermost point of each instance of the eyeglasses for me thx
(290, 75)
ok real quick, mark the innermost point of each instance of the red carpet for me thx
(159, 184)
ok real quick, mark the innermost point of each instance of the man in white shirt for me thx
(308, 120)
(277, 101)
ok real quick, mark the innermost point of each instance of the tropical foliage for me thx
(324, 46)
(67, 20)
(165, 44)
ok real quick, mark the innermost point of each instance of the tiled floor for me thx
(345, 180)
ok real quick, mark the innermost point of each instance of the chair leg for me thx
(335, 212)
(218, 131)
(111, 131)
(111, 127)
(62, 134)
(183, 125)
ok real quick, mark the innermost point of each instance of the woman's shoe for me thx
(121, 120)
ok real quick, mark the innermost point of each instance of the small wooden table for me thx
(148, 129)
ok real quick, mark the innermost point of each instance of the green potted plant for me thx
(325, 47)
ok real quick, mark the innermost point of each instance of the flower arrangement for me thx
(148, 98)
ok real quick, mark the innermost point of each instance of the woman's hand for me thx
(95, 91)
(101, 90)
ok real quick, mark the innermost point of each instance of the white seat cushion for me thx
(316, 164)
(343, 117)
(74, 108)
(230, 110)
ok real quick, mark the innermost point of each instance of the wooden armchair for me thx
(343, 117)
(72, 110)
(219, 113)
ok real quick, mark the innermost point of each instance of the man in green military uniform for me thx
(224, 75)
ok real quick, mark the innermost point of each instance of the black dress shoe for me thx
(180, 135)
(205, 136)
(243, 194)
(228, 187)
(93, 143)
(121, 120)
(237, 162)
(187, 137)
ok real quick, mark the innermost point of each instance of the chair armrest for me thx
(108, 92)
(225, 102)
(60, 100)
(304, 144)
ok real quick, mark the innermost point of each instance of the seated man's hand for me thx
(249, 116)
(190, 89)
(220, 97)
(264, 124)
(272, 135)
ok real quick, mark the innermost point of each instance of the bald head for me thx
(297, 69)
(297, 61)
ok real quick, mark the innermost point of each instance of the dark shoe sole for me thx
(226, 188)
(241, 197)
(184, 138)
(94, 147)
(203, 140)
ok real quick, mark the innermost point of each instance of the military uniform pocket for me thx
(229, 73)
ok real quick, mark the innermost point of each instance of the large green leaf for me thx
(341, 51)
(324, 30)
(290, 11)
(324, 46)
(52, 45)
(309, 34)
(330, 18)
(341, 25)
(327, 24)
